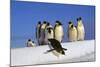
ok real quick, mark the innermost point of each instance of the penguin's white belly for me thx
(49, 36)
(30, 44)
(59, 34)
(72, 35)
(81, 33)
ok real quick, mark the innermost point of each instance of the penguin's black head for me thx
(50, 40)
(48, 24)
(29, 39)
(62, 52)
(80, 18)
(70, 22)
(72, 26)
(32, 41)
(39, 22)
(44, 22)
(49, 29)
(58, 22)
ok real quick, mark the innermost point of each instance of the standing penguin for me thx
(49, 33)
(80, 29)
(38, 31)
(69, 26)
(42, 38)
(30, 43)
(58, 31)
(56, 45)
(72, 33)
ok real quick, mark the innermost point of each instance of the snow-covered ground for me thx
(77, 51)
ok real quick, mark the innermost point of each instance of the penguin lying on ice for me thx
(30, 43)
(56, 45)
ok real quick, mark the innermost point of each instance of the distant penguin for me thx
(72, 31)
(58, 31)
(80, 29)
(69, 26)
(49, 33)
(38, 31)
(30, 43)
(70, 23)
(56, 45)
(42, 38)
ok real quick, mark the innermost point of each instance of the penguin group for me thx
(76, 33)
(45, 31)
(53, 36)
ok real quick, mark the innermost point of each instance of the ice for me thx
(77, 52)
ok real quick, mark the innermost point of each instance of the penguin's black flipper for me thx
(64, 49)
(49, 51)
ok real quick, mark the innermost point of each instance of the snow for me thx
(77, 52)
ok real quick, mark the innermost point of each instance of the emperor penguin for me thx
(58, 31)
(69, 26)
(49, 33)
(38, 31)
(80, 29)
(30, 43)
(56, 46)
(72, 33)
(42, 37)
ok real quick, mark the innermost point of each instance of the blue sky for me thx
(25, 15)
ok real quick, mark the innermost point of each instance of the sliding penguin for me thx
(72, 33)
(80, 29)
(30, 43)
(58, 31)
(42, 38)
(38, 32)
(56, 45)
